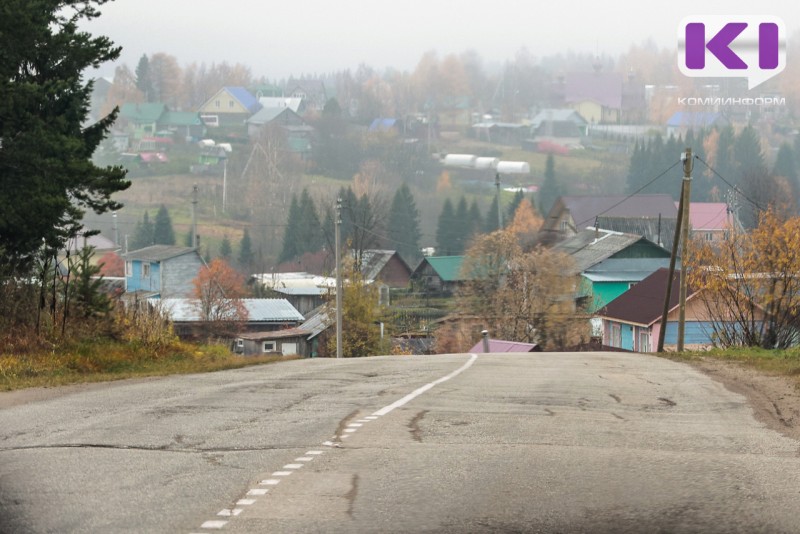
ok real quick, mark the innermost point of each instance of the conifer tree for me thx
(403, 226)
(143, 234)
(309, 230)
(290, 249)
(246, 256)
(445, 237)
(225, 249)
(550, 190)
(48, 178)
(462, 229)
(491, 222)
(163, 233)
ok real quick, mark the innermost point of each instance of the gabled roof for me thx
(158, 253)
(373, 261)
(447, 267)
(258, 310)
(643, 304)
(311, 328)
(695, 119)
(312, 87)
(604, 88)
(557, 115)
(181, 118)
(142, 113)
(281, 102)
(659, 231)
(708, 216)
(590, 247)
(584, 209)
(498, 345)
(267, 115)
(382, 124)
(244, 97)
(625, 269)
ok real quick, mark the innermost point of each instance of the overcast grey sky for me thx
(278, 39)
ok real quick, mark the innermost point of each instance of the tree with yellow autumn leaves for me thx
(749, 283)
(517, 289)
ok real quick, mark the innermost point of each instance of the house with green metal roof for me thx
(441, 274)
(141, 120)
(182, 125)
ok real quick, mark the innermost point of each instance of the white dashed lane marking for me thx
(309, 455)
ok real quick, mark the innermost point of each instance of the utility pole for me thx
(337, 238)
(116, 230)
(499, 211)
(224, 183)
(688, 165)
(194, 216)
(682, 208)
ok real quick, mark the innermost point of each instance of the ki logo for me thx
(753, 47)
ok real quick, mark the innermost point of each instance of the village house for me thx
(439, 274)
(161, 271)
(262, 315)
(632, 321)
(307, 339)
(649, 215)
(591, 247)
(230, 106)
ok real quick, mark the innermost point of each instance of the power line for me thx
(735, 188)
(648, 184)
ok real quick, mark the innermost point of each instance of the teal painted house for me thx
(612, 277)
(610, 263)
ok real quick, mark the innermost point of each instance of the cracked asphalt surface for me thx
(589, 442)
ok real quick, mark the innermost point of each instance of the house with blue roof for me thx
(682, 121)
(230, 106)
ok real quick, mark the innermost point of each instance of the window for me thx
(269, 346)
(128, 268)
(616, 335)
(563, 226)
(230, 104)
(709, 236)
(145, 270)
(216, 103)
(644, 341)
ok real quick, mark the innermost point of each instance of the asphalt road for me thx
(589, 442)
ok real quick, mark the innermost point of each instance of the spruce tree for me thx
(144, 79)
(309, 229)
(403, 225)
(163, 233)
(461, 228)
(785, 166)
(225, 249)
(550, 190)
(514, 204)
(290, 249)
(445, 238)
(143, 233)
(246, 256)
(475, 219)
(491, 222)
(48, 181)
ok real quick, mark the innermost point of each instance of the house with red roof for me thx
(652, 216)
(711, 221)
(632, 321)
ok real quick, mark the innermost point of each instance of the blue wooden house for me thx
(161, 271)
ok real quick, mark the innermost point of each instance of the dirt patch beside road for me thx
(775, 399)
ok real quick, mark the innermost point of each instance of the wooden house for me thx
(162, 271)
